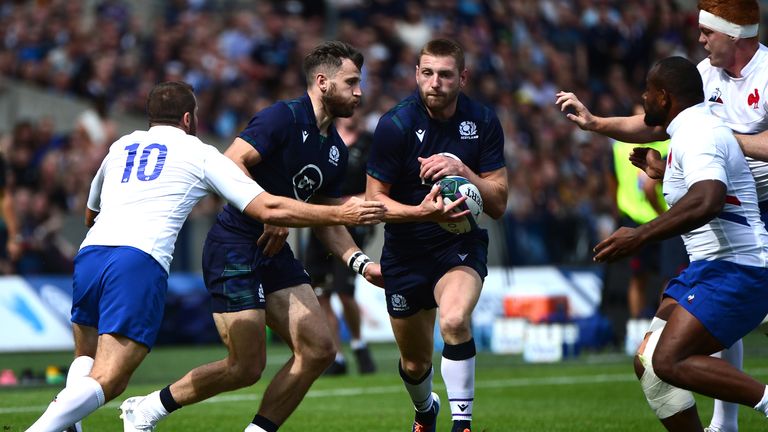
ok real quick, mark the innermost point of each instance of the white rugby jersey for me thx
(149, 182)
(702, 147)
(742, 103)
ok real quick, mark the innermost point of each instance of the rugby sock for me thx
(357, 344)
(80, 367)
(725, 415)
(458, 370)
(166, 398)
(339, 357)
(419, 389)
(762, 406)
(81, 397)
(261, 424)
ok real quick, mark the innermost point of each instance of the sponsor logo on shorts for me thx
(398, 303)
(261, 292)
(691, 297)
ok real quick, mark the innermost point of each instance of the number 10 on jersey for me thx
(141, 172)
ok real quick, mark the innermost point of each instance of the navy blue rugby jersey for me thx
(407, 132)
(296, 161)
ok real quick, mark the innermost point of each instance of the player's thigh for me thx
(295, 314)
(457, 292)
(244, 334)
(414, 335)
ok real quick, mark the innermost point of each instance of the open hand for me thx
(579, 113)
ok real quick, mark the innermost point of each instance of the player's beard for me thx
(654, 116)
(440, 102)
(336, 105)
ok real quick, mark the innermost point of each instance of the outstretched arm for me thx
(431, 209)
(754, 146)
(628, 129)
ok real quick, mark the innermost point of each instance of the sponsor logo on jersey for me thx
(306, 182)
(398, 303)
(691, 297)
(420, 134)
(468, 130)
(304, 135)
(333, 156)
(716, 96)
(753, 99)
(462, 257)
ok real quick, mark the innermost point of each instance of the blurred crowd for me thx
(242, 56)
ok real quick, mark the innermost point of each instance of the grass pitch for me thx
(594, 392)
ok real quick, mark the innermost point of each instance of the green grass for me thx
(595, 392)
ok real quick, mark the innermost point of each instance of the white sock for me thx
(153, 406)
(253, 428)
(81, 397)
(357, 344)
(762, 406)
(79, 368)
(459, 378)
(339, 357)
(420, 392)
(725, 415)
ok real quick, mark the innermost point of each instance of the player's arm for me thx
(628, 129)
(339, 242)
(703, 201)
(431, 209)
(754, 146)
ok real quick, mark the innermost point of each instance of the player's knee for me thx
(454, 326)
(663, 397)
(245, 374)
(318, 355)
(112, 386)
(415, 368)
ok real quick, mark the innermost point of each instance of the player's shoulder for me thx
(404, 115)
(476, 110)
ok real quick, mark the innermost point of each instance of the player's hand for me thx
(623, 242)
(578, 114)
(434, 209)
(649, 160)
(373, 274)
(272, 239)
(355, 211)
(438, 166)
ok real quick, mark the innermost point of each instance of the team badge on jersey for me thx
(307, 181)
(333, 156)
(753, 99)
(716, 96)
(468, 130)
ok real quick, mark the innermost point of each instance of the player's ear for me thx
(186, 120)
(322, 82)
(463, 76)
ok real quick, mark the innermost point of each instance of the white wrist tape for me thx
(450, 155)
(358, 262)
(716, 23)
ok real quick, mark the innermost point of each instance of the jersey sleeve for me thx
(268, 128)
(385, 160)
(492, 152)
(223, 177)
(706, 160)
(94, 195)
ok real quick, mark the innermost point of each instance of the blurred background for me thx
(75, 76)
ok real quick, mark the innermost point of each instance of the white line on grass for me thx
(358, 391)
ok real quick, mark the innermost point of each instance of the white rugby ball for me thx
(453, 188)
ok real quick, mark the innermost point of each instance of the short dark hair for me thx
(329, 55)
(444, 48)
(168, 101)
(680, 78)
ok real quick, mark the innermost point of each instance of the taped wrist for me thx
(358, 262)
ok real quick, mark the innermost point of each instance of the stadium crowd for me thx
(242, 56)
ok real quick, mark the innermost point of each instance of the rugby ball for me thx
(453, 188)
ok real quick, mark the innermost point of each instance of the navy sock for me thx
(264, 423)
(166, 398)
(461, 425)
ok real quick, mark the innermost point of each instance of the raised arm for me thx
(628, 129)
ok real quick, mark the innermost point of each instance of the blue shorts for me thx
(238, 275)
(411, 270)
(729, 299)
(119, 289)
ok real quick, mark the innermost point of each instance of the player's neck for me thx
(742, 57)
(443, 114)
(322, 116)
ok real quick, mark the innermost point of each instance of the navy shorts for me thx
(119, 289)
(729, 299)
(238, 275)
(411, 270)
